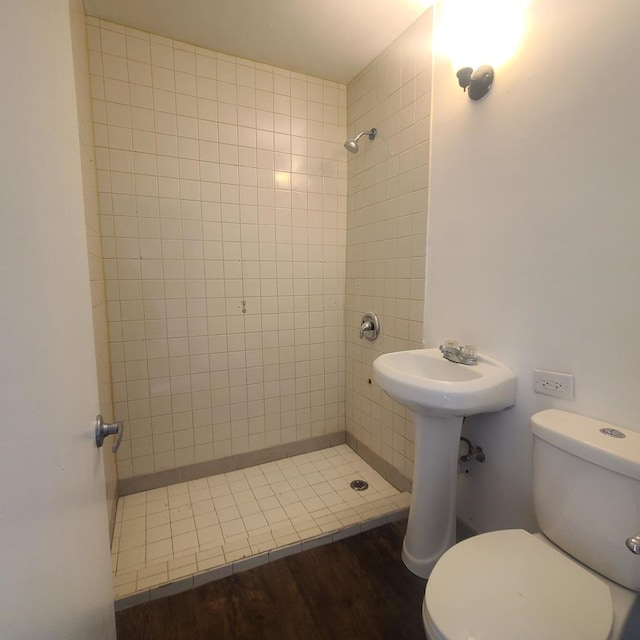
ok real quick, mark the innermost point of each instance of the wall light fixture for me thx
(477, 82)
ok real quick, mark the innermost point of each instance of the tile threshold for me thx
(173, 587)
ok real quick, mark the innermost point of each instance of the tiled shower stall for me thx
(240, 246)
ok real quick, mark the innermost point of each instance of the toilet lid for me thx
(508, 584)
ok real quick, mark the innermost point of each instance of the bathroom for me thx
(531, 250)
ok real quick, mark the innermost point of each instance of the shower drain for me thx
(359, 485)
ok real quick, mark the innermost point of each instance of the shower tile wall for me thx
(222, 186)
(386, 236)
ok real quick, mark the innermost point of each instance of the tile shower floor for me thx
(171, 539)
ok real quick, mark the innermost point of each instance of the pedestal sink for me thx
(440, 393)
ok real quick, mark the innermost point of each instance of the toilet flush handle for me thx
(633, 544)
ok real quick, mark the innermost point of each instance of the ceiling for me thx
(330, 39)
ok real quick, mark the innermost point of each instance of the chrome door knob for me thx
(103, 430)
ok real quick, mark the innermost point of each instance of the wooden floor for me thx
(354, 589)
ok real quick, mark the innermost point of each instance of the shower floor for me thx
(171, 539)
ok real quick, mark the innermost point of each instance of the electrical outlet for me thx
(552, 383)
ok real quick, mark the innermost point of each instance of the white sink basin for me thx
(426, 383)
(440, 393)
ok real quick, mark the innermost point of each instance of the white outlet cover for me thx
(553, 383)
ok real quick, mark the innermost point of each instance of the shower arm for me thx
(371, 134)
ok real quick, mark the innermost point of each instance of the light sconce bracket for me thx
(478, 82)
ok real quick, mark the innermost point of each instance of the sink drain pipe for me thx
(473, 452)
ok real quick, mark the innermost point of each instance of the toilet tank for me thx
(586, 491)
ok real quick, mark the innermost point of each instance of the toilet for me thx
(577, 580)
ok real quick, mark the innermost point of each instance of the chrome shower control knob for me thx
(633, 544)
(370, 327)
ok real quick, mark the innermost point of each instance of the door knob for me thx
(103, 430)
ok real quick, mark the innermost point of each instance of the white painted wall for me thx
(533, 245)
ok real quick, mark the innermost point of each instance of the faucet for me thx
(466, 354)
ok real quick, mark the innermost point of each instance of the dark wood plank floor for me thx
(353, 589)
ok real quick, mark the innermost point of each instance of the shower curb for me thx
(250, 562)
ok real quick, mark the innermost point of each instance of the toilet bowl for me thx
(577, 580)
(509, 585)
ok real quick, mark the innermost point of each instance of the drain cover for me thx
(359, 485)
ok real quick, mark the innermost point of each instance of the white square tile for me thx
(227, 514)
(254, 521)
(207, 519)
(211, 535)
(249, 508)
(131, 559)
(160, 550)
(233, 528)
(185, 525)
(224, 501)
(131, 541)
(212, 562)
(275, 516)
(185, 541)
(133, 512)
(128, 527)
(180, 513)
(158, 518)
(261, 492)
(156, 534)
(151, 581)
(295, 510)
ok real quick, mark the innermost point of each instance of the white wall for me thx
(533, 244)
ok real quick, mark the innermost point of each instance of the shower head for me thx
(352, 145)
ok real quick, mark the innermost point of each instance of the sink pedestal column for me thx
(431, 529)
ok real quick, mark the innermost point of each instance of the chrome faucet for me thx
(466, 354)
